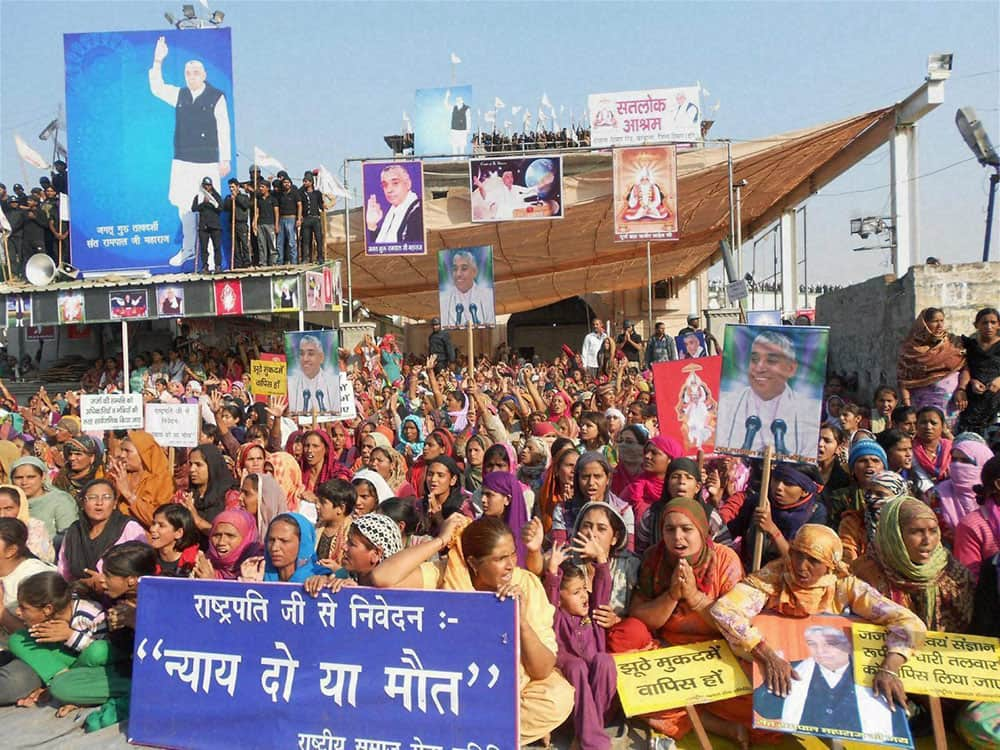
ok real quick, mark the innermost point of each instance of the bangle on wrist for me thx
(888, 672)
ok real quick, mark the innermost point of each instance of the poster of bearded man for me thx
(645, 193)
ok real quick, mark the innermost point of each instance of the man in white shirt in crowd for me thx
(311, 386)
(201, 139)
(467, 299)
(591, 346)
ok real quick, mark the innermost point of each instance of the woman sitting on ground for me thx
(480, 556)
(13, 504)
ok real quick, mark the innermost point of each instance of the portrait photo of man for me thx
(768, 394)
(691, 345)
(823, 693)
(202, 139)
(312, 372)
(394, 216)
(466, 293)
(170, 302)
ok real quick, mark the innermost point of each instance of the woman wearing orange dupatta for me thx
(288, 474)
(557, 485)
(680, 578)
(142, 477)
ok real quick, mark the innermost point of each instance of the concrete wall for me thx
(868, 321)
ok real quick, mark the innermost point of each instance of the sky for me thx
(318, 82)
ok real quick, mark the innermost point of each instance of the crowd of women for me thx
(536, 483)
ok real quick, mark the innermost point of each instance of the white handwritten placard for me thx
(111, 411)
(173, 425)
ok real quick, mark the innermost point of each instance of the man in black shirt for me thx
(36, 224)
(60, 177)
(265, 224)
(208, 205)
(629, 342)
(237, 205)
(439, 344)
(15, 217)
(313, 219)
(290, 220)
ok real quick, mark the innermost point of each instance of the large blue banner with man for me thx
(150, 117)
(443, 121)
(221, 664)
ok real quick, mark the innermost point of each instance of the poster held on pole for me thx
(763, 503)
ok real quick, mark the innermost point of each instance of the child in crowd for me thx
(335, 502)
(174, 537)
(884, 403)
(852, 418)
(583, 658)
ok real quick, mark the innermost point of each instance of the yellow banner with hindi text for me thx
(267, 378)
(949, 665)
(679, 676)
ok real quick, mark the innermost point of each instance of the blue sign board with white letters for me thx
(224, 664)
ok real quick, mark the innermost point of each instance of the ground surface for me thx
(24, 728)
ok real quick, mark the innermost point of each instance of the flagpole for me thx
(262, 262)
(232, 236)
(649, 288)
(347, 238)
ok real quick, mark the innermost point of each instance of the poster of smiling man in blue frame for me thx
(149, 116)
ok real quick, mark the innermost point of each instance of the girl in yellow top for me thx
(480, 556)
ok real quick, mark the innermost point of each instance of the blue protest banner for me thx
(221, 664)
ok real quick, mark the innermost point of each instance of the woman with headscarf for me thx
(293, 444)
(142, 477)
(657, 454)
(288, 474)
(391, 465)
(262, 497)
(363, 449)
(591, 483)
(290, 550)
(371, 489)
(793, 501)
(13, 504)
(319, 464)
(557, 486)
(9, 453)
(813, 579)
(503, 498)
(631, 441)
(977, 537)
(907, 563)
(211, 487)
(232, 541)
(534, 459)
(82, 463)
(475, 450)
(929, 362)
(955, 497)
(480, 556)
(680, 578)
(99, 528)
(857, 526)
(931, 449)
(250, 459)
(55, 508)
(411, 437)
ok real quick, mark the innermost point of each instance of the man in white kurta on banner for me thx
(202, 142)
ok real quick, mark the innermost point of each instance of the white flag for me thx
(542, 117)
(498, 103)
(455, 59)
(507, 124)
(407, 125)
(204, 4)
(514, 110)
(490, 116)
(29, 154)
(63, 207)
(327, 184)
(546, 102)
(262, 160)
(4, 224)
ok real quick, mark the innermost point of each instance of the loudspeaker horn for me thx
(41, 270)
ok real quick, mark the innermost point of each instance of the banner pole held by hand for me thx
(937, 723)
(472, 356)
(762, 502)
